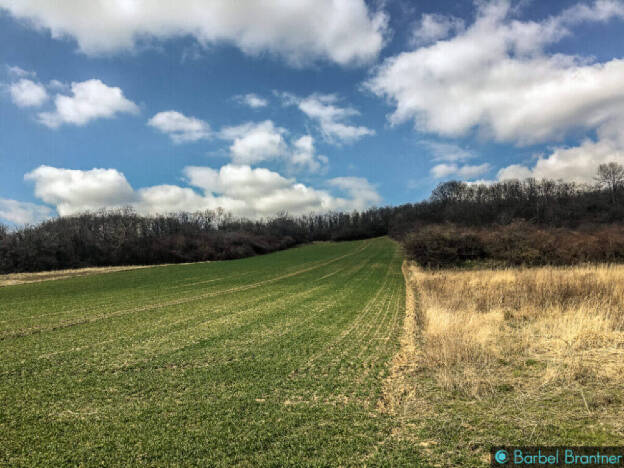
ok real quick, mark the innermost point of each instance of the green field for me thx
(272, 360)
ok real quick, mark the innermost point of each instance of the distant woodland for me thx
(512, 222)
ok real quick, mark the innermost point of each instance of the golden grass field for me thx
(570, 319)
(518, 355)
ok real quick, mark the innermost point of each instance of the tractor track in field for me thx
(355, 325)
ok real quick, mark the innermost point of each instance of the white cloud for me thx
(73, 191)
(252, 100)
(20, 213)
(343, 31)
(579, 163)
(261, 192)
(179, 127)
(323, 108)
(498, 77)
(251, 142)
(360, 190)
(171, 198)
(57, 85)
(239, 189)
(90, 100)
(444, 170)
(27, 93)
(303, 155)
(601, 10)
(443, 151)
(433, 27)
(255, 142)
(14, 70)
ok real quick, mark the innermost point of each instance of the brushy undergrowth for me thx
(517, 244)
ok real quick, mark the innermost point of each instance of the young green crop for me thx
(273, 360)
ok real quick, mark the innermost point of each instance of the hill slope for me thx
(278, 359)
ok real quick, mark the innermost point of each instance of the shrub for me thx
(518, 243)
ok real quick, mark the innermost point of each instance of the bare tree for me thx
(611, 176)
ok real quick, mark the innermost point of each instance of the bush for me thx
(440, 245)
(518, 243)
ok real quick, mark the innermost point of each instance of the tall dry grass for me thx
(480, 327)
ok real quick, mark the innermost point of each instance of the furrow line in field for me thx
(349, 360)
(377, 348)
(174, 291)
(368, 314)
(34, 330)
(344, 334)
(184, 320)
(372, 335)
(196, 337)
(170, 325)
(316, 308)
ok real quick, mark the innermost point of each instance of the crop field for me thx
(275, 360)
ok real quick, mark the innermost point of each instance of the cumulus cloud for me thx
(444, 170)
(578, 163)
(344, 32)
(433, 27)
(361, 191)
(498, 76)
(252, 100)
(27, 93)
(239, 189)
(180, 128)
(20, 213)
(331, 118)
(73, 191)
(255, 142)
(90, 100)
(251, 142)
(258, 192)
(303, 155)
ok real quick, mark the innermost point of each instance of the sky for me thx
(303, 106)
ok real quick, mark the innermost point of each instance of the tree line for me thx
(123, 237)
(447, 228)
(515, 222)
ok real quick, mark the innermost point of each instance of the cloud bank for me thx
(344, 32)
(239, 189)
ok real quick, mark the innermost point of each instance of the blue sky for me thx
(303, 106)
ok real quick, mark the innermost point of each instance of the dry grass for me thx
(397, 386)
(508, 357)
(569, 321)
(36, 277)
(21, 278)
